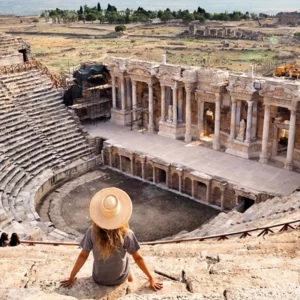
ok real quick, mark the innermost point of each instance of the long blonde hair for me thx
(109, 241)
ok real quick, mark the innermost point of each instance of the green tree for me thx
(200, 18)
(187, 18)
(99, 7)
(166, 16)
(120, 28)
(91, 17)
(101, 19)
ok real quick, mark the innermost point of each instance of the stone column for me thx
(208, 192)
(254, 122)
(180, 180)
(233, 119)
(174, 105)
(216, 144)
(110, 156)
(223, 200)
(188, 116)
(249, 122)
(291, 143)
(275, 141)
(200, 117)
(123, 96)
(163, 103)
(143, 161)
(193, 188)
(154, 177)
(134, 102)
(151, 108)
(114, 96)
(264, 152)
(131, 166)
(128, 92)
(238, 112)
(180, 105)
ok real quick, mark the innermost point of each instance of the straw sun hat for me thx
(111, 208)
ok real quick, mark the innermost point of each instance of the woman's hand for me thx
(68, 283)
(155, 285)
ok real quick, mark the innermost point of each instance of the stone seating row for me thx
(46, 111)
(10, 77)
(260, 268)
(38, 136)
(273, 211)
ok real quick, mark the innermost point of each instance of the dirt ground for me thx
(157, 213)
(62, 47)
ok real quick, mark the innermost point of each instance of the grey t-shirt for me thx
(115, 269)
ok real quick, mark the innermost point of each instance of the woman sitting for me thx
(110, 239)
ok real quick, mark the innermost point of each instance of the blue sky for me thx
(267, 6)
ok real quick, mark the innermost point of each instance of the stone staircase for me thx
(256, 268)
(271, 212)
(8, 44)
(38, 137)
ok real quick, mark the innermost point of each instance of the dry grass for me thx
(60, 47)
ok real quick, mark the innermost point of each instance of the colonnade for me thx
(176, 109)
(132, 97)
(264, 157)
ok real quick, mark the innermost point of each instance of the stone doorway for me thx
(161, 176)
(209, 121)
(188, 186)
(126, 164)
(281, 125)
(216, 196)
(138, 169)
(200, 190)
(116, 161)
(244, 203)
(175, 182)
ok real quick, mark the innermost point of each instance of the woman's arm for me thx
(83, 256)
(142, 265)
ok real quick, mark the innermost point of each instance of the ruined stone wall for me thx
(292, 18)
(297, 138)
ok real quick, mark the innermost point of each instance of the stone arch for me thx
(116, 161)
(149, 172)
(138, 168)
(138, 70)
(200, 190)
(175, 182)
(188, 186)
(216, 196)
(126, 164)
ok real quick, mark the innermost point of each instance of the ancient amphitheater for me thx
(226, 140)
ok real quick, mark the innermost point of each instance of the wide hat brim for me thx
(115, 221)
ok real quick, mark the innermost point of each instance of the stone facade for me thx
(289, 18)
(244, 115)
(224, 31)
(202, 187)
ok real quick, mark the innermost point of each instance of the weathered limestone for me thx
(233, 119)
(188, 115)
(249, 268)
(217, 144)
(290, 150)
(216, 105)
